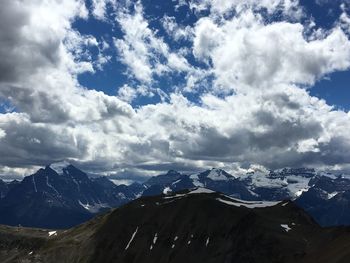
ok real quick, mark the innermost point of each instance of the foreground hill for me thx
(197, 226)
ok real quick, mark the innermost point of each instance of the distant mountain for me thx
(325, 196)
(281, 184)
(276, 185)
(196, 226)
(214, 179)
(327, 200)
(3, 189)
(58, 196)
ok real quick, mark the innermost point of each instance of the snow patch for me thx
(217, 175)
(52, 233)
(207, 242)
(132, 238)
(177, 181)
(293, 183)
(195, 180)
(94, 208)
(285, 227)
(331, 195)
(34, 184)
(201, 190)
(238, 203)
(301, 191)
(155, 238)
(167, 190)
(50, 186)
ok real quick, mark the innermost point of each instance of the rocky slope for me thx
(197, 226)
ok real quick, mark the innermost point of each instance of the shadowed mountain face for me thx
(59, 197)
(200, 226)
(327, 200)
(3, 189)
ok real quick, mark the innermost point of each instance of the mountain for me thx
(3, 189)
(323, 195)
(214, 179)
(327, 200)
(58, 196)
(287, 183)
(61, 196)
(188, 226)
(281, 184)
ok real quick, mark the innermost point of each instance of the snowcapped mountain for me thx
(59, 196)
(275, 185)
(281, 184)
(214, 179)
(325, 196)
(327, 200)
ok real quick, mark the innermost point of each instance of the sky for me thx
(134, 88)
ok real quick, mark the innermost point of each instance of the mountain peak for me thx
(172, 172)
(58, 167)
(217, 174)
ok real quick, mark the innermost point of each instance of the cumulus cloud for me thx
(144, 53)
(99, 8)
(289, 8)
(248, 54)
(176, 31)
(249, 77)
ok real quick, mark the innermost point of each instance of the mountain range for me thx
(61, 195)
(196, 225)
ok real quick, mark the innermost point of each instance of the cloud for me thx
(144, 53)
(267, 55)
(236, 96)
(289, 8)
(99, 8)
(176, 31)
(127, 93)
(42, 59)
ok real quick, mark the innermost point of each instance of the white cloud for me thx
(267, 121)
(248, 54)
(99, 8)
(2, 134)
(126, 93)
(144, 53)
(176, 31)
(289, 8)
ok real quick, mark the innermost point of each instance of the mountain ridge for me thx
(196, 225)
(66, 196)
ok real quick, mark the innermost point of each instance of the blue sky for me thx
(133, 88)
(333, 88)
